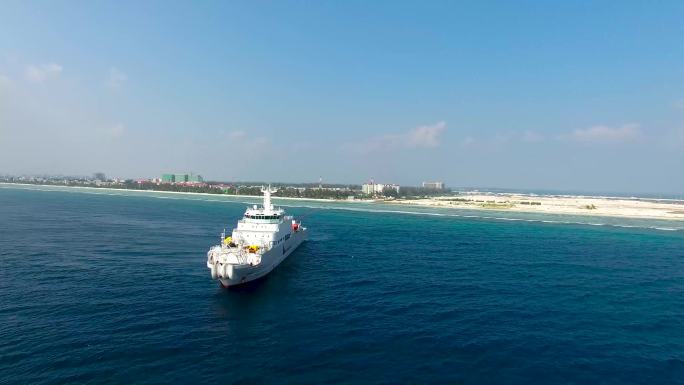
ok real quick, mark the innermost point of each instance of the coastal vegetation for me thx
(490, 203)
(292, 190)
(251, 190)
(496, 205)
(242, 188)
(410, 192)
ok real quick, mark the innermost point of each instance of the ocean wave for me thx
(665, 228)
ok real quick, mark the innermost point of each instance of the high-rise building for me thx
(434, 185)
(182, 178)
(194, 178)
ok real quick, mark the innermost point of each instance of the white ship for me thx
(264, 237)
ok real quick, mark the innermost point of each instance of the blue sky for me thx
(565, 95)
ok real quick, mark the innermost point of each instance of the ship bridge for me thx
(266, 225)
(267, 213)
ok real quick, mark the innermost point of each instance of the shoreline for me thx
(613, 207)
(183, 193)
(590, 206)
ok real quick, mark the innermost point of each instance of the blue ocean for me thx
(111, 287)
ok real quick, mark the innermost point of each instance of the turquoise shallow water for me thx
(104, 288)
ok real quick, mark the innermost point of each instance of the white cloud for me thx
(42, 72)
(606, 134)
(116, 78)
(419, 137)
(116, 131)
(242, 139)
(530, 136)
(467, 141)
(502, 138)
(423, 136)
(236, 135)
(674, 138)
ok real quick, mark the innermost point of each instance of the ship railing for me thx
(260, 221)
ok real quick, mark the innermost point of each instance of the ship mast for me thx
(268, 207)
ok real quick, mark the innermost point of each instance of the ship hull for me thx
(242, 274)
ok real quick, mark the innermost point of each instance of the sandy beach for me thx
(572, 205)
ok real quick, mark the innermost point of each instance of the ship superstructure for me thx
(263, 238)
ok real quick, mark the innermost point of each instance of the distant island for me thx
(424, 196)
